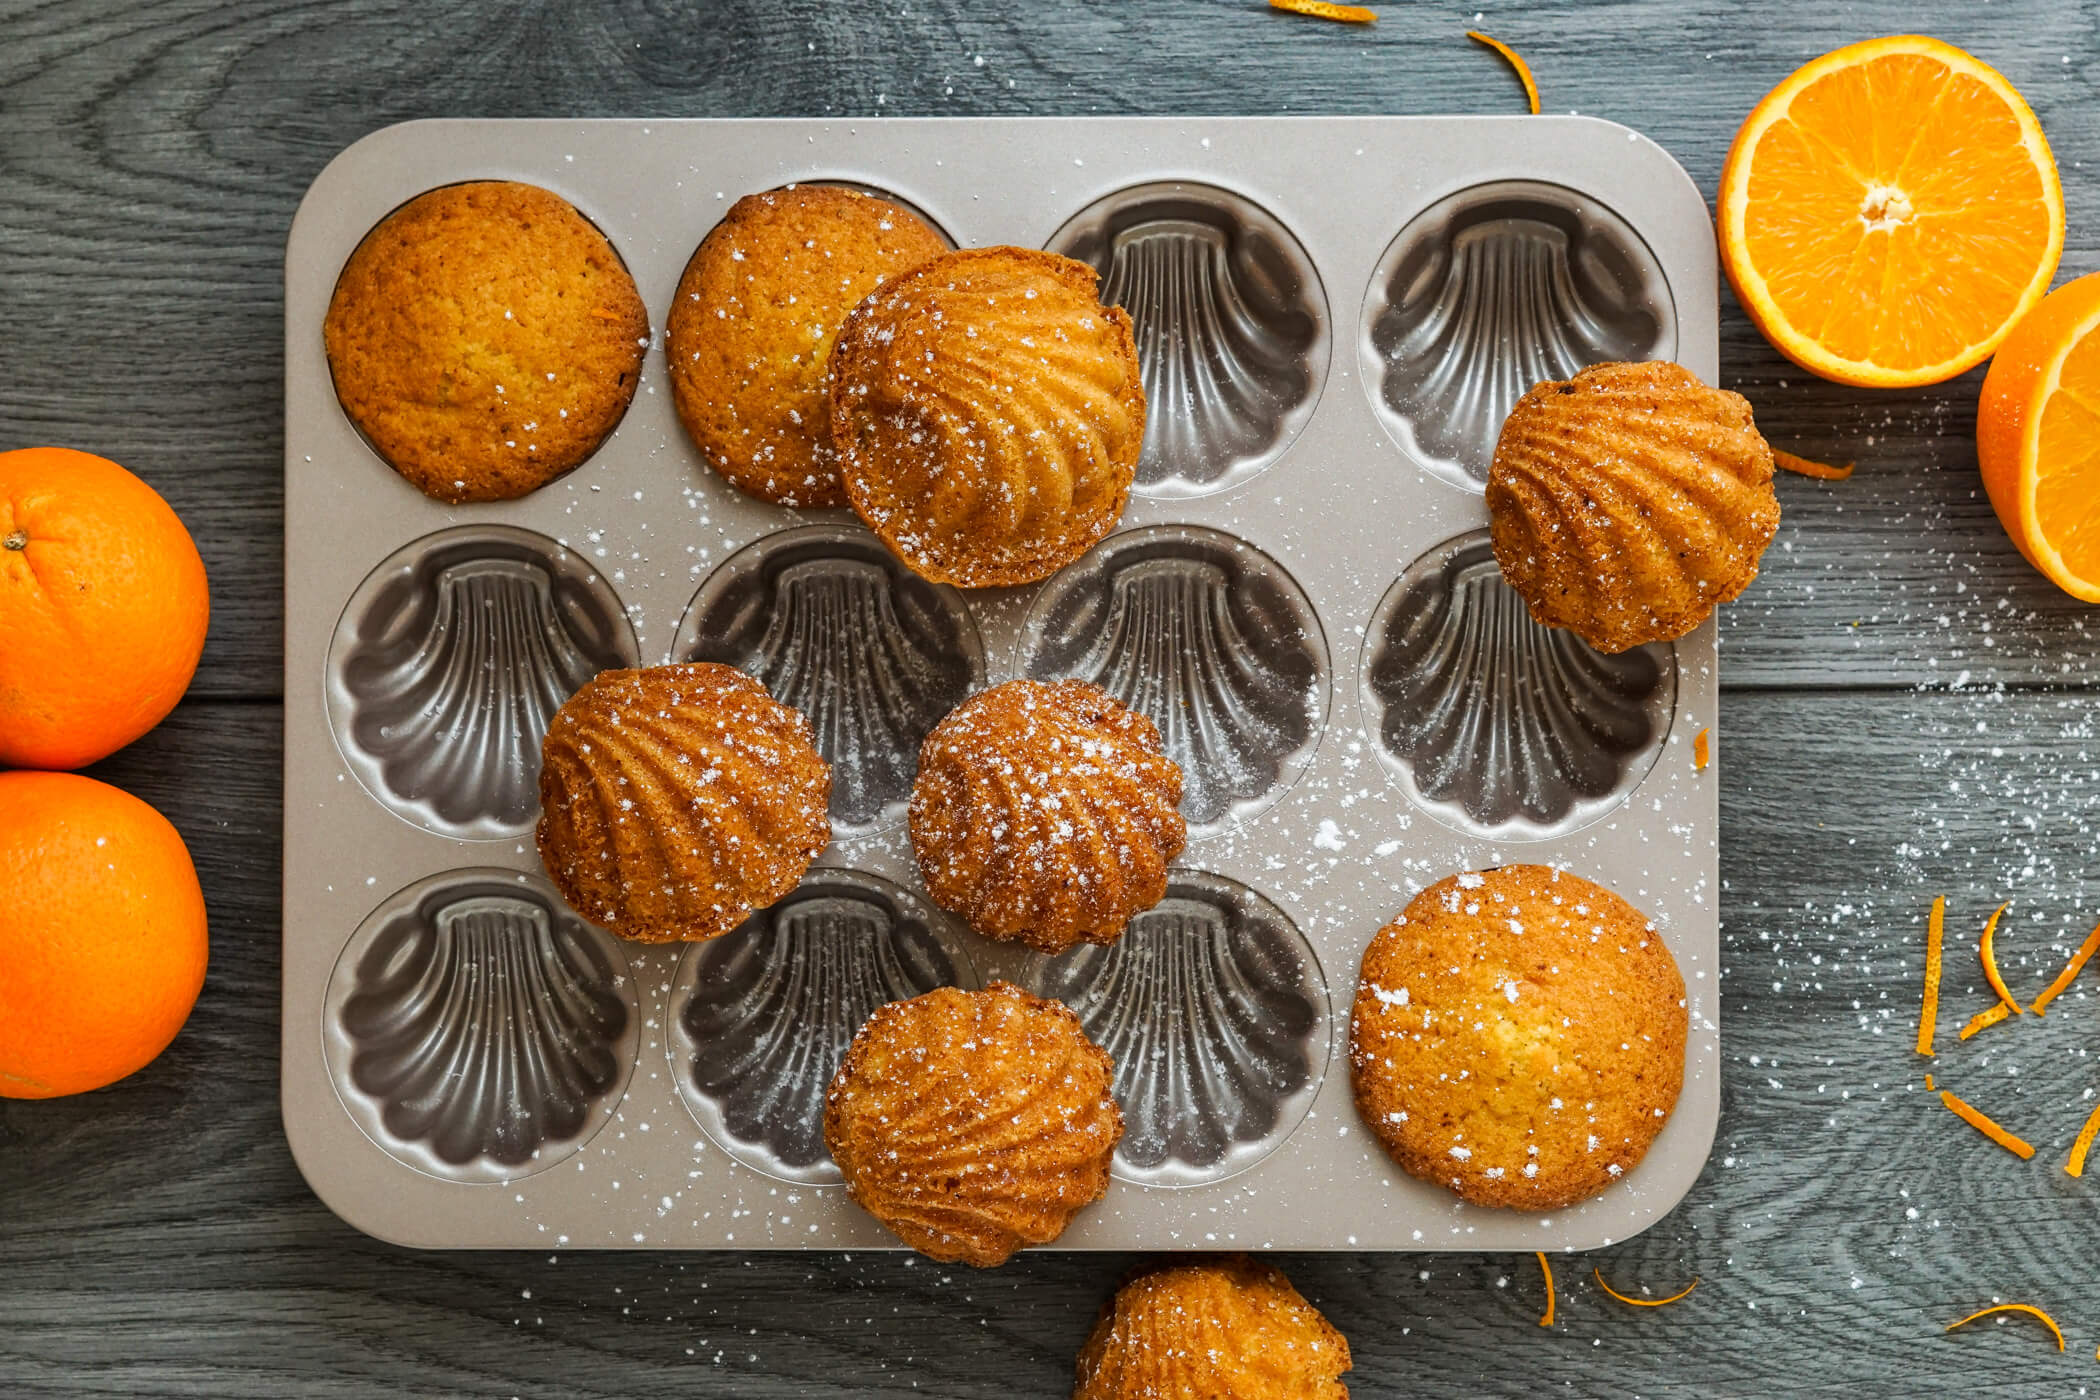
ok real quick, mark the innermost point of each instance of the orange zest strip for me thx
(1990, 961)
(1321, 9)
(1702, 751)
(1515, 60)
(1643, 1302)
(2030, 1309)
(2070, 973)
(1984, 1020)
(1928, 1019)
(2082, 1145)
(1975, 1119)
(1930, 1085)
(1821, 471)
(1547, 1269)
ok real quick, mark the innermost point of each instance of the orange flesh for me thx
(1982, 1124)
(2030, 1309)
(1929, 1017)
(2070, 973)
(2067, 462)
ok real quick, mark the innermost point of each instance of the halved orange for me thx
(1889, 211)
(2038, 436)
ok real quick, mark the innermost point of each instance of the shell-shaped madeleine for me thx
(1197, 1330)
(1046, 813)
(973, 1124)
(987, 414)
(674, 800)
(1630, 501)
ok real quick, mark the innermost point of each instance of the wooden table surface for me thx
(1909, 710)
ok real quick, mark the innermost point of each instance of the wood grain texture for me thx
(155, 1238)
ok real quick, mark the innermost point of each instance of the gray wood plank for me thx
(155, 1238)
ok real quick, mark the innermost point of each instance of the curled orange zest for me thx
(2070, 972)
(1547, 1269)
(1321, 9)
(1982, 1020)
(2082, 1145)
(1516, 61)
(2030, 1309)
(1990, 961)
(1821, 471)
(1929, 1017)
(1643, 1302)
(1702, 752)
(1976, 1119)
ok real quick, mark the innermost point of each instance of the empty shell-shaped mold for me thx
(1231, 324)
(1209, 638)
(833, 625)
(761, 1017)
(477, 1029)
(1489, 291)
(1215, 1011)
(1495, 724)
(448, 663)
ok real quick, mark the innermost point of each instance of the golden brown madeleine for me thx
(1201, 1329)
(486, 338)
(1518, 1036)
(987, 415)
(973, 1123)
(750, 331)
(674, 800)
(1045, 812)
(1630, 501)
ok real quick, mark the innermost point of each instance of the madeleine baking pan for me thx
(1333, 315)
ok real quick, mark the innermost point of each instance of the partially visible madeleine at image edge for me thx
(1629, 502)
(1199, 1329)
(987, 415)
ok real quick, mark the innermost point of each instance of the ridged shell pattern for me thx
(1213, 1009)
(1209, 1329)
(676, 799)
(485, 1027)
(1045, 813)
(768, 1011)
(1221, 373)
(868, 652)
(1629, 502)
(1491, 296)
(1500, 718)
(973, 1124)
(987, 415)
(450, 665)
(1211, 641)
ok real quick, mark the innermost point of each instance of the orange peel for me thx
(1322, 9)
(1984, 1020)
(2028, 1308)
(1515, 60)
(1546, 1268)
(1802, 466)
(1981, 1122)
(2082, 1144)
(1990, 960)
(1702, 751)
(2070, 973)
(1643, 1302)
(1928, 1018)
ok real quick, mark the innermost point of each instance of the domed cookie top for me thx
(1518, 1036)
(1200, 1329)
(1629, 502)
(973, 1123)
(751, 328)
(486, 338)
(987, 415)
(674, 800)
(1045, 812)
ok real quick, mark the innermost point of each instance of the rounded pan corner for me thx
(320, 192)
(317, 1167)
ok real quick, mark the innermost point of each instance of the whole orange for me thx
(103, 608)
(102, 934)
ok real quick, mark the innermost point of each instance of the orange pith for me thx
(2038, 436)
(1889, 211)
